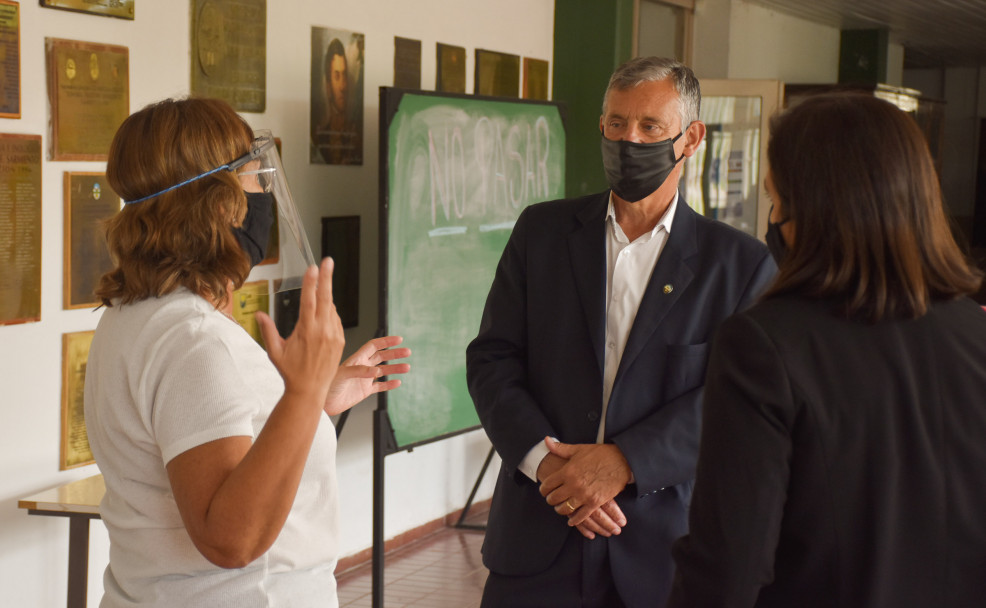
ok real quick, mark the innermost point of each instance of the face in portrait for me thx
(337, 97)
(336, 80)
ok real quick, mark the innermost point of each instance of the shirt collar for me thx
(664, 222)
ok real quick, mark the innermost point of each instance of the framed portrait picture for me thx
(336, 97)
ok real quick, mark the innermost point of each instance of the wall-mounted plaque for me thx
(75, 450)
(124, 9)
(450, 77)
(10, 60)
(407, 63)
(497, 74)
(89, 96)
(229, 52)
(337, 97)
(247, 300)
(340, 241)
(535, 79)
(88, 201)
(20, 228)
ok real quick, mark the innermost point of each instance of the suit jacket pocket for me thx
(684, 368)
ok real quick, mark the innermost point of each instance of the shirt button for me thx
(593, 416)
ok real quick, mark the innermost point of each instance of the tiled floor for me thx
(443, 570)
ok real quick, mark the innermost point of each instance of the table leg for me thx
(78, 561)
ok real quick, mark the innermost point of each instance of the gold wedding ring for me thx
(569, 505)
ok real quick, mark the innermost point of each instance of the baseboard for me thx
(363, 557)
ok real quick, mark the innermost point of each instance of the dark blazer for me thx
(535, 369)
(843, 464)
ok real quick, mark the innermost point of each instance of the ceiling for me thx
(934, 33)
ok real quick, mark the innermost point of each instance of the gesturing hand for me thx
(309, 358)
(357, 376)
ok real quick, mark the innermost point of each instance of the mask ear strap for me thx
(676, 138)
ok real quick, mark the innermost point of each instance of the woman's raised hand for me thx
(308, 359)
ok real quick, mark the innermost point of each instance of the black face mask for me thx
(635, 170)
(775, 240)
(254, 232)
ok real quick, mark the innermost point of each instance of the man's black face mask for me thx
(254, 232)
(635, 170)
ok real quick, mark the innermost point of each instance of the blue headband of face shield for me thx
(261, 145)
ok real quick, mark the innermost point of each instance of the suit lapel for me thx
(669, 280)
(587, 248)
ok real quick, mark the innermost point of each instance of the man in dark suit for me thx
(595, 334)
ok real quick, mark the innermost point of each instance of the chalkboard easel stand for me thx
(383, 444)
(472, 495)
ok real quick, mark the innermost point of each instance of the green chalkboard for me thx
(456, 171)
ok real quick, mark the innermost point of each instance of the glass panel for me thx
(720, 180)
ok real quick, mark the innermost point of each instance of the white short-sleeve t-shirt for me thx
(168, 374)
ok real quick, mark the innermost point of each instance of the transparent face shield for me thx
(263, 161)
(295, 254)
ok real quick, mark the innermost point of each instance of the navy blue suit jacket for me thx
(536, 369)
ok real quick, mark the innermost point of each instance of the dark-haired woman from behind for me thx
(844, 431)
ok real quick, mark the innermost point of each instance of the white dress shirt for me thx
(628, 270)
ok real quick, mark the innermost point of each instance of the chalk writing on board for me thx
(511, 160)
(460, 170)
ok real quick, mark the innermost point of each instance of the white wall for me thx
(767, 44)
(422, 485)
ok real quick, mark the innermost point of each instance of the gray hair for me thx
(651, 69)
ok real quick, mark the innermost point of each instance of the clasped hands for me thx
(581, 481)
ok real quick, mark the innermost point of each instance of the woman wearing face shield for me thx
(842, 450)
(218, 458)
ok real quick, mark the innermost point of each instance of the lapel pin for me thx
(668, 288)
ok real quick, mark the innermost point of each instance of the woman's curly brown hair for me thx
(180, 238)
